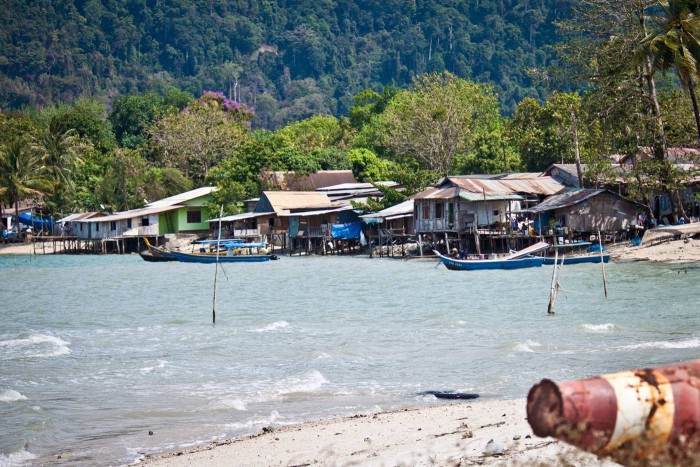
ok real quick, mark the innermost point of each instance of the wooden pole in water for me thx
(602, 264)
(552, 293)
(218, 242)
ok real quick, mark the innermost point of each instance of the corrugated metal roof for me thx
(481, 197)
(183, 197)
(533, 186)
(134, 213)
(316, 213)
(323, 178)
(240, 217)
(398, 210)
(568, 198)
(283, 201)
(79, 216)
(437, 193)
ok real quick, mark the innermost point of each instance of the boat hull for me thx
(223, 258)
(479, 264)
(153, 258)
(578, 259)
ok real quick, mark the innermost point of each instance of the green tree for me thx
(122, 186)
(199, 137)
(21, 176)
(675, 44)
(439, 119)
(59, 148)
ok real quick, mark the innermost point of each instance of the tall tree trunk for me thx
(694, 100)
(660, 143)
(577, 153)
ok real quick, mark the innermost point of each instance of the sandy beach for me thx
(449, 434)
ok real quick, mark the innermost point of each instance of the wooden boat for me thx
(573, 253)
(223, 257)
(517, 260)
(151, 258)
(157, 251)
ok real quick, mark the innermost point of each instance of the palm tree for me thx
(57, 147)
(676, 45)
(21, 176)
(58, 150)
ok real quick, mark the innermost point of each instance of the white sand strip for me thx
(468, 433)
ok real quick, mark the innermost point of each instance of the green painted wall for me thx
(176, 221)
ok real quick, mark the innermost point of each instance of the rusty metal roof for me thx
(437, 193)
(540, 185)
(283, 201)
(565, 199)
(314, 181)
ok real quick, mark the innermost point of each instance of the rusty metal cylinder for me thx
(630, 416)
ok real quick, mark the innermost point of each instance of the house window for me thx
(496, 213)
(128, 223)
(664, 203)
(439, 210)
(97, 227)
(426, 211)
(145, 222)
(194, 217)
(81, 227)
(271, 222)
(113, 225)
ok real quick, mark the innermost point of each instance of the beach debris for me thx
(646, 415)
(449, 394)
(516, 437)
(493, 448)
(150, 432)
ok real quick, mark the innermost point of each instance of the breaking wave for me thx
(598, 327)
(272, 327)
(10, 395)
(33, 346)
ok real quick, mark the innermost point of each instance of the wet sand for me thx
(449, 434)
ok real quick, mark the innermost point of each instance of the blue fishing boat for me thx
(517, 260)
(577, 253)
(229, 256)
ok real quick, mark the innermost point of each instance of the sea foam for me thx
(684, 344)
(272, 327)
(527, 346)
(33, 346)
(16, 458)
(10, 395)
(598, 327)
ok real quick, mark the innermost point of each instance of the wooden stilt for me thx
(552, 290)
(602, 264)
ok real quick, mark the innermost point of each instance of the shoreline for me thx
(489, 432)
(671, 251)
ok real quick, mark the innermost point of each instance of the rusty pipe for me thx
(632, 416)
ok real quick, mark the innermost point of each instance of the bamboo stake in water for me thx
(218, 242)
(602, 264)
(552, 294)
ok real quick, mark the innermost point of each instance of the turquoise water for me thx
(96, 351)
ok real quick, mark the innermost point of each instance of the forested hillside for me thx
(286, 59)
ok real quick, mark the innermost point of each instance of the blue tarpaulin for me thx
(35, 222)
(346, 231)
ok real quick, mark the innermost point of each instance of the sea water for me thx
(106, 358)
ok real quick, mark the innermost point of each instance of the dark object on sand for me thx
(449, 394)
